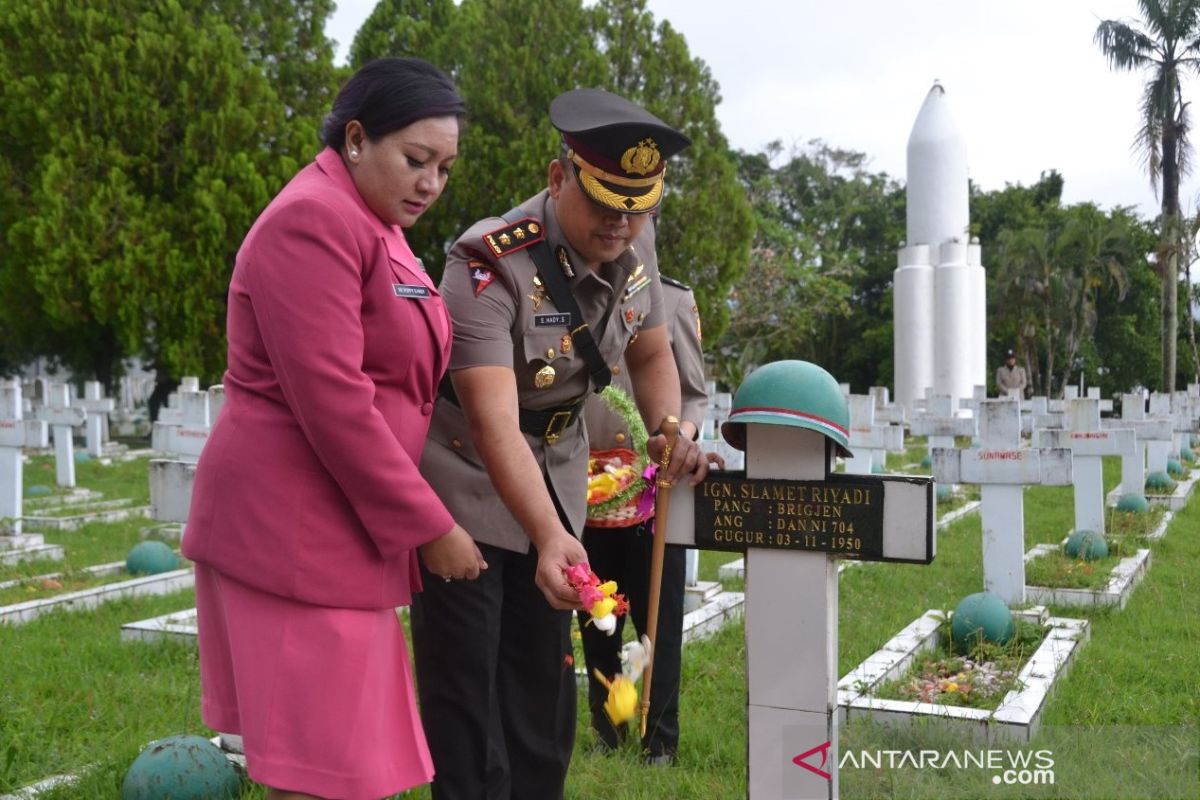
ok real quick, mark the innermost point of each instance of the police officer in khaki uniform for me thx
(623, 554)
(507, 452)
(1010, 379)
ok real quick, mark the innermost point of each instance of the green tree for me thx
(510, 58)
(497, 52)
(705, 227)
(1048, 283)
(136, 156)
(1167, 45)
(823, 254)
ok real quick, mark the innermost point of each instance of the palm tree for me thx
(1168, 45)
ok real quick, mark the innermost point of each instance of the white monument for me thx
(940, 337)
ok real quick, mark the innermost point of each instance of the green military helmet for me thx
(794, 393)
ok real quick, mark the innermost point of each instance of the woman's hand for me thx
(453, 555)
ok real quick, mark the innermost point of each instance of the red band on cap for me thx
(787, 412)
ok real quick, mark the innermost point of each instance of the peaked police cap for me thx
(619, 149)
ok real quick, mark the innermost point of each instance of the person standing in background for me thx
(1010, 379)
(623, 554)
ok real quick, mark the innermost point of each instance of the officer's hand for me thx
(453, 555)
(554, 556)
(686, 458)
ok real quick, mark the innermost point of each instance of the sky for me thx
(1023, 78)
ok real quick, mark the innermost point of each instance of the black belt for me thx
(548, 423)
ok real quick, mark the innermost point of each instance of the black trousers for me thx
(623, 555)
(496, 686)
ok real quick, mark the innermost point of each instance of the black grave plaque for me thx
(841, 515)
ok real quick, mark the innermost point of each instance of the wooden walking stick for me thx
(662, 497)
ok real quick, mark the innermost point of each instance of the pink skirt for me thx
(322, 697)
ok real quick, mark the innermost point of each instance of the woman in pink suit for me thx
(308, 508)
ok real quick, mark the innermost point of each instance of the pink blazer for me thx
(308, 486)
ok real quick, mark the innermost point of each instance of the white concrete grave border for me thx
(99, 511)
(698, 624)
(163, 583)
(1179, 498)
(1125, 576)
(27, 547)
(1018, 716)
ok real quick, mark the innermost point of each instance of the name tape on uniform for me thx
(411, 290)
(551, 320)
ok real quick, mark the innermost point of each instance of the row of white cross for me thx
(181, 432)
(791, 613)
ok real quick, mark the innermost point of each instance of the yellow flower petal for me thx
(602, 608)
(622, 700)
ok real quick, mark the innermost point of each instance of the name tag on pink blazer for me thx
(411, 291)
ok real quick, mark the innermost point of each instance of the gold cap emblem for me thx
(544, 378)
(642, 158)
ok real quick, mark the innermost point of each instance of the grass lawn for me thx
(72, 696)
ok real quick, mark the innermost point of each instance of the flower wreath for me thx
(623, 406)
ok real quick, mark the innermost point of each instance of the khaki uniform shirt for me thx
(1010, 379)
(606, 429)
(501, 318)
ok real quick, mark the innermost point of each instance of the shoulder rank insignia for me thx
(514, 237)
(481, 275)
(673, 282)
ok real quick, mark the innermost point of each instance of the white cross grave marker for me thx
(1088, 444)
(1069, 393)
(1157, 452)
(98, 408)
(1145, 430)
(1106, 406)
(1002, 468)
(940, 424)
(62, 417)
(171, 479)
(885, 409)
(15, 433)
(870, 439)
(710, 441)
(794, 517)
(978, 395)
(186, 438)
(1182, 424)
